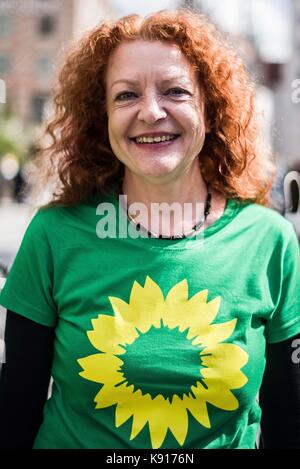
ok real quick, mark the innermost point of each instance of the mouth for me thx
(154, 139)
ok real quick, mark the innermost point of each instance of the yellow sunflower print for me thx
(133, 326)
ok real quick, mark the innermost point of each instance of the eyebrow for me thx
(135, 82)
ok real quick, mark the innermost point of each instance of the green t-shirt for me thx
(159, 343)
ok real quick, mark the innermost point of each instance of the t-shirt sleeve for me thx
(29, 286)
(285, 319)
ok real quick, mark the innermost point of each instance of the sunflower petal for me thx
(198, 408)
(158, 425)
(107, 396)
(120, 307)
(111, 332)
(222, 363)
(140, 416)
(212, 334)
(194, 314)
(217, 394)
(178, 419)
(208, 310)
(179, 293)
(198, 315)
(175, 302)
(101, 368)
(200, 297)
(146, 307)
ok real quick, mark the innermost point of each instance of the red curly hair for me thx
(78, 158)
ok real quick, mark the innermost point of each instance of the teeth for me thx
(164, 138)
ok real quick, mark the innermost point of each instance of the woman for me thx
(157, 337)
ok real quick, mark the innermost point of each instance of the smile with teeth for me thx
(157, 139)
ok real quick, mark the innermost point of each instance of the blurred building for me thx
(33, 37)
(287, 109)
(86, 17)
(267, 32)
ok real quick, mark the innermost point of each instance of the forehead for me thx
(134, 59)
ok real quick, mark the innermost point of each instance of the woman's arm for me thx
(24, 380)
(280, 396)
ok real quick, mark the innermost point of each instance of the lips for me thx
(154, 134)
(155, 146)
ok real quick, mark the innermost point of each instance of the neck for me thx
(189, 189)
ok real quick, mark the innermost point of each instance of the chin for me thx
(157, 171)
(159, 166)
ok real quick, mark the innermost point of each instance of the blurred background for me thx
(34, 36)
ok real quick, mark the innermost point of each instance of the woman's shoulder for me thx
(53, 212)
(46, 215)
(262, 218)
(266, 219)
(52, 219)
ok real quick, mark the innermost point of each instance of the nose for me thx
(151, 110)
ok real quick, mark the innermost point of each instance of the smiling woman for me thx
(153, 339)
(114, 73)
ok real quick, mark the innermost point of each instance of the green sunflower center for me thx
(162, 361)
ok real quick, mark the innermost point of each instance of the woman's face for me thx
(155, 109)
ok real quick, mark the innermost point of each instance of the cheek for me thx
(193, 119)
(113, 130)
(196, 134)
(117, 126)
(199, 127)
(195, 130)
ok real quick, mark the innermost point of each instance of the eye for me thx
(177, 92)
(124, 96)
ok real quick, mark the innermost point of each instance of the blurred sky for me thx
(143, 7)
